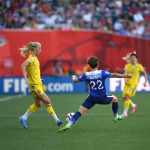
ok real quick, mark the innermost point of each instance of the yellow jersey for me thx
(135, 70)
(33, 70)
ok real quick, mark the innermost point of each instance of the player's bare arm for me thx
(23, 66)
(125, 80)
(117, 75)
(145, 76)
(75, 79)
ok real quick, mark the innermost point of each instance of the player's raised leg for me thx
(73, 119)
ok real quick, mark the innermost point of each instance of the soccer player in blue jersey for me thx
(97, 95)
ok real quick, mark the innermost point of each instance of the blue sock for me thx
(74, 118)
(115, 108)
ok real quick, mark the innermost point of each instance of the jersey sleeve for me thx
(106, 74)
(126, 68)
(82, 77)
(141, 68)
(30, 60)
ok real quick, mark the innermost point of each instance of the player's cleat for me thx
(133, 109)
(67, 127)
(124, 114)
(59, 122)
(119, 117)
(23, 122)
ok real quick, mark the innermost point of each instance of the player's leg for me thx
(127, 103)
(127, 93)
(115, 108)
(49, 107)
(126, 96)
(77, 115)
(131, 102)
(31, 110)
(73, 119)
(87, 104)
(126, 100)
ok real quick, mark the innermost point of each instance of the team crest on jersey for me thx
(107, 72)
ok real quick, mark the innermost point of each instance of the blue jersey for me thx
(96, 81)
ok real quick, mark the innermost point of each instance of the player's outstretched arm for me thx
(75, 79)
(118, 75)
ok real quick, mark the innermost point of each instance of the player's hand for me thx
(145, 84)
(126, 83)
(74, 76)
(26, 80)
(128, 75)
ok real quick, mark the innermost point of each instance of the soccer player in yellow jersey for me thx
(134, 68)
(34, 81)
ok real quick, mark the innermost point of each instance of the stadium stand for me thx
(125, 17)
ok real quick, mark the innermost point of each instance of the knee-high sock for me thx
(74, 118)
(126, 106)
(31, 110)
(51, 112)
(115, 108)
(131, 103)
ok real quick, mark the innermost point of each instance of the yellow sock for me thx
(51, 112)
(50, 109)
(33, 108)
(126, 104)
(130, 102)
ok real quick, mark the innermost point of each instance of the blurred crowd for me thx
(125, 17)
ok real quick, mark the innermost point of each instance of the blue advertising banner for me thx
(115, 85)
(17, 85)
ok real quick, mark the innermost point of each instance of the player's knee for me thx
(126, 97)
(38, 105)
(82, 110)
(47, 101)
(115, 99)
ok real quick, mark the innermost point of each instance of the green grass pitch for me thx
(93, 131)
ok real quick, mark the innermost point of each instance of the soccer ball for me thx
(69, 115)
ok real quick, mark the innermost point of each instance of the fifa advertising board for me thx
(51, 84)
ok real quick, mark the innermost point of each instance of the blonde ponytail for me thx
(29, 47)
(127, 57)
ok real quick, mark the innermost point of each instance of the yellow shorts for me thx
(36, 89)
(129, 90)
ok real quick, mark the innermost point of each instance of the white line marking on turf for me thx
(11, 97)
(46, 115)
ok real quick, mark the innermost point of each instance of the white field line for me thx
(10, 97)
(46, 115)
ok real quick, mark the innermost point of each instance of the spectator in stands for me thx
(118, 25)
(57, 70)
(138, 17)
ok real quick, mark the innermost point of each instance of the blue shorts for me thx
(97, 99)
